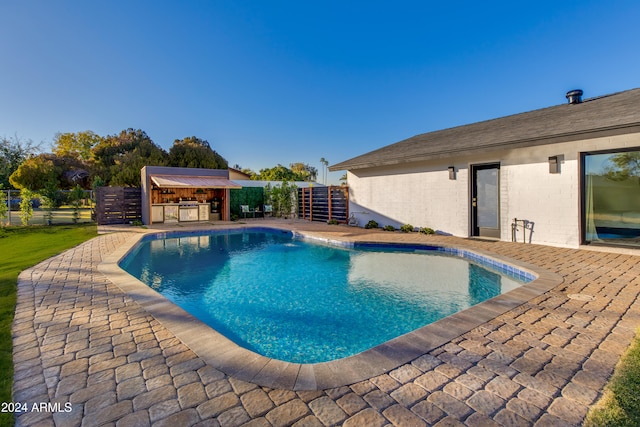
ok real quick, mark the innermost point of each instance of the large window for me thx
(611, 197)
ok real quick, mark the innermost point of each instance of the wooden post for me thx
(346, 198)
(149, 188)
(225, 207)
(330, 196)
(310, 203)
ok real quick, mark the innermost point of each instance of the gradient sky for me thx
(268, 82)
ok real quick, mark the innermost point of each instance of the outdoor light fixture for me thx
(452, 172)
(554, 164)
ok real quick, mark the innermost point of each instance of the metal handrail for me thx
(523, 224)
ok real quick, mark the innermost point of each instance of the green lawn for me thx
(23, 247)
(620, 404)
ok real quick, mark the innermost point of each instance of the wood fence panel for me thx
(324, 203)
(118, 205)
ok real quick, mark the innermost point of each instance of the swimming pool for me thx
(291, 299)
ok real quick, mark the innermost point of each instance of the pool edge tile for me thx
(278, 374)
(306, 378)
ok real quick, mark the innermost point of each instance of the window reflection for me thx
(487, 184)
(612, 197)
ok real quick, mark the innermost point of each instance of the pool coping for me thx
(220, 352)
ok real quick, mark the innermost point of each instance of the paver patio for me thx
(80, 340)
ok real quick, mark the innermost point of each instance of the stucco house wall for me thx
(408, 182)
(422, 194)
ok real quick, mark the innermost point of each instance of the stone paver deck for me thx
(99, 357)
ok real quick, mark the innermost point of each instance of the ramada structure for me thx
(566, 175)
(185, 194)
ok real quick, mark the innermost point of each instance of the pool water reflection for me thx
(305, 302)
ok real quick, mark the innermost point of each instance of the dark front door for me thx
(485, 200)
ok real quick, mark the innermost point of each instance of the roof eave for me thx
(523, 143)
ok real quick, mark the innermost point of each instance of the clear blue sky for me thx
(268, 82)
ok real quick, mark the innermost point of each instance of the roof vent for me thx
(574, 96)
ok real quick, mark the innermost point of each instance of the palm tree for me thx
(325, 163)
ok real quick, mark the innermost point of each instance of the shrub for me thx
(26, 207)
(76, 196)
(427, 230)
(283, 198)
(251, 196)
(3, 207)
(389, 228)
(407, 228)
(332, 221)
(50, 196)
(371, 224)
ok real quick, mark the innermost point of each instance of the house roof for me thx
(239, 172)
(608, 115)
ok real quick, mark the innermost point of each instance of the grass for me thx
(23, 247)
(620, 403)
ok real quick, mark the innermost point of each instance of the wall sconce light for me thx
(554, 164)
(452, 172)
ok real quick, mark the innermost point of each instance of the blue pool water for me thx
(305, 302)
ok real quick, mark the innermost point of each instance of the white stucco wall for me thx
(422, 194)
(550, 201)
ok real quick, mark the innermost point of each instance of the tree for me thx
(276, 173)
(304, 171)
(36, 171)
(623, 166)
(325, 163)
(119, 158)
(14, 151)
(193, 152)
(77, 145)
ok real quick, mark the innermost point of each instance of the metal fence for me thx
(42, 215)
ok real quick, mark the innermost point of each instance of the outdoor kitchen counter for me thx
(180, 212)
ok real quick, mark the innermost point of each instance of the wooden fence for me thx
(118, 205)
(324, 203)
